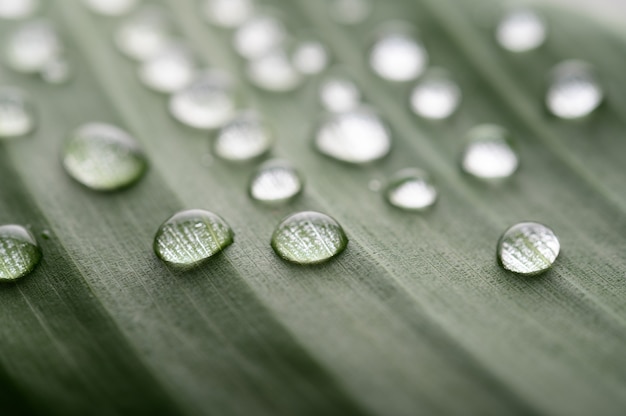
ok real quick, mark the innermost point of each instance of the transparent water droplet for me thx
(489, 153)
(528, 248)
(19, 252)
(103, 157)
(411, 190)
(574, 91)
(190, 237)
(244, 138)
(258, 36)
(308, 238)
(228, 13)
(170, 70)
(398, 56)
(145, 33)
(521, 30)
(18, 9)
(31, 46)
(310, 57)
(56, 71)
(274, 72)
(436, 96)
(339, 94)
(350, 12)
(111, 7)
(17, 116)
(207, 103)
(357, 136)
(275, 182)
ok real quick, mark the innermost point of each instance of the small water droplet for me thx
(19, 252)
(275, 182)
(31, 46)
(521, 30)
(190, 237)
(357, 136)
(489, 153)
(46, 234)
(398, 56)
(308, 238)
(170, 70)
(103, 157)
(339, 94)
(436, 96)
(111, 7)
(228, 13)
(56, 71)
(411, 190)
(258, 36)
(244, 138)
(18, 9)
(207, 103)
(274, 72)
(528, 248)
(374, 185)
(350, 12)
(145, 33)
(310, 57)
(574, 91)
(17, 116)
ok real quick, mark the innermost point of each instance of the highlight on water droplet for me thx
(31, 46)
(275, 182)
(258, 36)
(274, 72)
(19, 252)
(528, 248)
(436, 96)
(17, 116)
(103, 157)
(521, 30)
(412, 190)
(228, 13)
(489, 153)
(358, 136)
(350, 12)
(17, 9)
(192, 236)
(56, 71)
(574, 91)
(339, 94)
(144, 33)
(170, 70)
(310, 57)
(397, 55)
(110, 7)
(207, 103)
(308, 238)
(245, 137)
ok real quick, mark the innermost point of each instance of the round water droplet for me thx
(244, 138)
(339, 94)
(521, 30)
(574, 91)
(17, 116)
(398, 56)
(436, 96)
(145, 33)
(350, 12)
(19, 252)
(31, 46)
(528, 248)
(207, 103)
(189, 237)
(411, 190)
(111, 7)
(308, 238)
(275, 182)
(258, 36)
(228, 13)
(170, 70)
(103, 157)
(17, 9)
(310, 57)
(274, 72)
(489, 154)
(56, 71)
(357, 136)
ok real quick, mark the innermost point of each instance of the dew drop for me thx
(339, 94)
(19, 252)
(528, 248)
(18, 9)
(258, 36)
(31, 46)
(17, 116)
(308, 238)
(357, 136)
(274, 72)
(244, 138)
(189, 237)
(574, 91)
(228, 13)
(411, 190)
(397, 56)
(275, 182)
(489, 154)
(521, 30)
(350, 12)
(144, 34)
(103, 157)
(56, 71)
(170, 70)
(111, 7)
(310, 57)
(436, 96)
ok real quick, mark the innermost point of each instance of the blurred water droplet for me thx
(170, 70)
(528, 248)
(274, 72)
(18, 9)
(17, 116)
(31, 46)
(521, 30)
(489, 154)
(339, 94)
(259, 36)
(228, 13)
(46, 234)
(244, 138)
(110, 7)
(145, 33)
(574, 91)
(310, 57)
(398, 56)
(436, 96)
(189, 237)
(56, 71)
(275, 182)
(411, 190)
(19, 252)
(350, 12)
(308, 238)
(103, 157)
(374, 185)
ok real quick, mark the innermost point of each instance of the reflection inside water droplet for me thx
(275, 182)
(19, 252)
(339, 94)
(17, 116)
(397, 56)
(436, 96)
(244, 138)
(274, 72)
(412, 190)
(170, 70)
(521, 30)
(528, 248)
(228, 13)
(310, 57)
(259, 36)
(574, 91)
(489, 154)
(31, 46)
(145, 33)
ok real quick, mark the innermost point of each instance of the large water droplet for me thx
(528, 248)
(19, 252)
(17, 116)
(244, 138)
(310, 57)
(111, 7)
(574, 91)
(258, 36)
(274, 72)
(489, 154)
(308, 238)
(521, 30)
(189, 237)
(207, 103)
(339, 94)
(228, 13)
(17, 9)
(350, 12)
(56, 71)
(170, 70)
(357, 136)
(103, 157)
(145, 33)
(31, 46)
(275, 182)
(398, 56)
(436, 96)
(412, 190)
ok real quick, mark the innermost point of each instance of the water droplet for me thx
(528, 248)
(103, 157)
(170, 70)
(374, 185)
(274, 72)
(18, 9)
(228, 13)
(207, 103)
(358, 136)
(411, 190)
(19, 252)
(56, 71)
(489, 154)
(244, 138)
(258, 36)
(189, 237)
(521, 30)
(308, 238)
(111, 7)
(46, 234)
(350, 12)
(339, 94)
(398, 56)
(275, 182)
(145, 33)
(310, 57)
(436, 96)
(574, 91)
(17, 116)
(31, 46)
